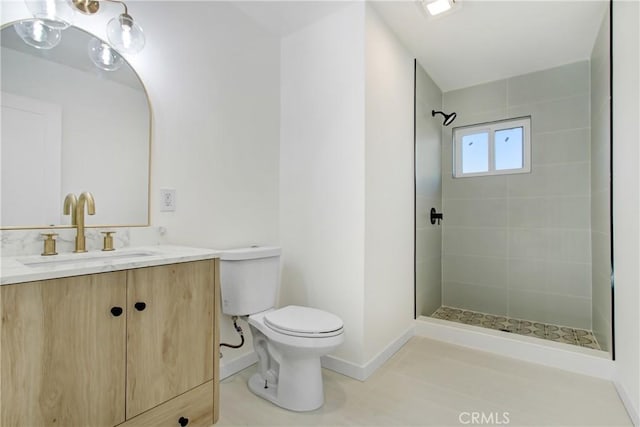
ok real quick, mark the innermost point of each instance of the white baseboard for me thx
(580, 360)
(629, 405)
(362, 372)
(236, 365)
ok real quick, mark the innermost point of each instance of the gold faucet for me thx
(85, 198)
(70, 203)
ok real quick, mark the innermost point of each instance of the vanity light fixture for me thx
(52, 13)
(122, 31)
(124, 34)
(104, 56)
(35, 33)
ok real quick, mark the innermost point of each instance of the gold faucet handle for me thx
(108, 241)
(49, 244)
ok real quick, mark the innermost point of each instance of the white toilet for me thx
(288, 341)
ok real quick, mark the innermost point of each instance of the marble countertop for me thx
(19, 269)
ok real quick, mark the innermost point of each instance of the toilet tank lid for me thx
(253, 252)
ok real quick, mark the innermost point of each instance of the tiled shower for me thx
(531, 247)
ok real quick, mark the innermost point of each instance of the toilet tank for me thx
(249, 279)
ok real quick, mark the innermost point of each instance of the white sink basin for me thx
(87, 257)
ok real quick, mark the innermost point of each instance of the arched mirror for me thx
(69, 126)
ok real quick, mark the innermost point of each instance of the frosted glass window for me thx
(475, 153)
(495, 148)
(508, 148)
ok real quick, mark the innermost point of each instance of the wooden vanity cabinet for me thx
(131, 347)
(63, 351)
(169, 332)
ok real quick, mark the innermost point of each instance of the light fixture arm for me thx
(126, 11)
(90, 7)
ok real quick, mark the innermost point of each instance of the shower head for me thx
(448, 118)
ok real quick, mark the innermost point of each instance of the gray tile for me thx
(474, 241)
(559, 82)
(565, 146)
(555, 115)
(480, 270)
(483, 97)
(474, 297)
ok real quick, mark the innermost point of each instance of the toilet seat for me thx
(303, 322)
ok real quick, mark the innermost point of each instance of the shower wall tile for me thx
(476, 212)
(475, 297)
(549, 212)
(474, 188)
(476, 99)
(481, 270)
(553, 245)
(569, 179)
(474, 241)
(566, 146)
(558, 82)
(533, 230)
(428, 174)
(551, 277)
(428, 242)
(563, 310)
(600, 185)
(569, 212)
(555, 115)
(428, 298)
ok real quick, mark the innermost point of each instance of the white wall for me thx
(346, 179)
(389, 198)
(322, 170)
(626, 214)
(213, 78)
(428, 164)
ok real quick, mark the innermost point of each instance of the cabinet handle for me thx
(140, 306)
(116, 311)
(183, 421)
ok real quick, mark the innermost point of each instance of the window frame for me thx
(491, 128)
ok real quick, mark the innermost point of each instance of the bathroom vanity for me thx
(125, 338)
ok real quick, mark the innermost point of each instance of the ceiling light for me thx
(436, 7)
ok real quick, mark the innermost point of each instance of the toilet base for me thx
(257, 386)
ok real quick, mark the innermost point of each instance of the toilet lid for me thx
(303, 321)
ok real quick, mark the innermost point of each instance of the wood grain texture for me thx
(170, 344)
(63, 352)
(194, 405)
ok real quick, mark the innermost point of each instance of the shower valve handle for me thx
(435, 216)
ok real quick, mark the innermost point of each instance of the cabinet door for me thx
(170, 332)
(63, 352)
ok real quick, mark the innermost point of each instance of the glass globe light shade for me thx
(125, 35)
(56, 14)
(104, 56)
(35, 33)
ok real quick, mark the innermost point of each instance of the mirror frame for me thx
(150, 148)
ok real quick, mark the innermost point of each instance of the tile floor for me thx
(564, 334)
(430, 383)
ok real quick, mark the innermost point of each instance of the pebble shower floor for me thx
(563, 334)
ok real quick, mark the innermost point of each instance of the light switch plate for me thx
(167, 200)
